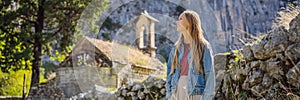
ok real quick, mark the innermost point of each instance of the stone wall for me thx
(268, 69)
(46, 91)
(74, 80)
(152, 88)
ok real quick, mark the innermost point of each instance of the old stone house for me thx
(110, 64)
(104, 63)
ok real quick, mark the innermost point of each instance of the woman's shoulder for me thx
(206, 45)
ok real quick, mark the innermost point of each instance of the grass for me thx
(286, 16)
(11, 84)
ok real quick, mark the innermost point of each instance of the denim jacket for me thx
(198, 84)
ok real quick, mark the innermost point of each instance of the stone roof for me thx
(145, 13)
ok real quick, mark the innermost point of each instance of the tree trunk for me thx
(35, 76)
(37, 51)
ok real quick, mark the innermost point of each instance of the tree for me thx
(31, 28)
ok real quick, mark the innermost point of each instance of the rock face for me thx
(151, 89)
(269, 69)
(224, 21)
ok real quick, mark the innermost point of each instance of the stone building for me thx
(105, 64)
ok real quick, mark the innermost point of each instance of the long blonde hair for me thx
(198, 41)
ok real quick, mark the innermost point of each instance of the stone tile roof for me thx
(114, 52)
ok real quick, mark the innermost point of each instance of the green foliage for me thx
(14, 52)
(48, 69)
(239, 56)
(90, 16)
(235, 57)
(233, 77)
(243, 95)
(58, 57)
(19, 25)
(32, 28)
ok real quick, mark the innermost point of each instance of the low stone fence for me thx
(151, 89)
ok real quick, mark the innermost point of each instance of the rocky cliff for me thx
(226, 22)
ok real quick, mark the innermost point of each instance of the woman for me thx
(190, 71)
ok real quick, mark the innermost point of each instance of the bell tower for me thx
(145, 33)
